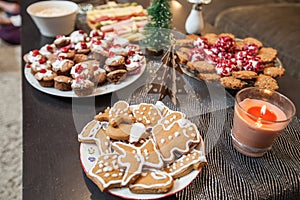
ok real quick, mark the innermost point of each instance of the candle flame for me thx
(263, 110)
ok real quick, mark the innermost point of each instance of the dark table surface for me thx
(51, 163)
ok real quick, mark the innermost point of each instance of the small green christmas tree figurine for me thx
(157, 31)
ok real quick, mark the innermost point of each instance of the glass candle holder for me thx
(260, 115)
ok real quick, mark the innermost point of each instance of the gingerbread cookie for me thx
(250, 40)
(274, 71)
(175, 139)
(201, 66)
(119, 113)
(266, 82)
(106, 172)
(267, 54)
(194, 160)
(187, 42)
(172, 117)
(211, 37)
(232, 83)
(152, 182)
(164, 110)
(244, 74)
(103, 116)
(130, 158)
(94, 132)
(121, 132)
(146, 114)
(209, 76)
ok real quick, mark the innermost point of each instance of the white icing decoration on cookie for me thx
(136, 132)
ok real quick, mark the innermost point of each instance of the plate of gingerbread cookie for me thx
(143, 151)
(84, 64)
(235, 63)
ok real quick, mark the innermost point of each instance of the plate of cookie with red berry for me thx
(235, 63)
(142, 151)
(84, 64)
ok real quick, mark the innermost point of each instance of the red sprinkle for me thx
(42, 60)
(43, 71)
(35, 52)
(127, 61)
(131, 53)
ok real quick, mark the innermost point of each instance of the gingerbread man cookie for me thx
(176, 138)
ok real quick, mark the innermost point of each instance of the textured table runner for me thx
(231, 175)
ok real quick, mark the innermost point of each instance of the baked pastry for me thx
(232, 83)
(116, 76)
(45, 77)
(82, 87)
(266, 82)
(62, 66)
(63, 83)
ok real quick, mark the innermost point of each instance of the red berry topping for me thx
(97, 42)
(202, 43)
(43, 71)
(131, 53)
(61, 57)
(64, 49)
(225, 43)
(81, 32)
(42, 60)
(28, 65)
(251, 49)
(111, 54)
(83, 45)
(59, 36)
(196, 54)
(79, 69)
(95, 68)
(35, 52)
(103, 35)
(49, 48)
(127, 62)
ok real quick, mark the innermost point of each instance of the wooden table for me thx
(51, 163)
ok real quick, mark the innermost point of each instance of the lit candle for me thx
(258, 122)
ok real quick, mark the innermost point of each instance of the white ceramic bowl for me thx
(54, 17)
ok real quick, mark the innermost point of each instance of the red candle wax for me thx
(259, 112)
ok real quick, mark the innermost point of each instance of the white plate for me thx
(104, 89)
(88, 155)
